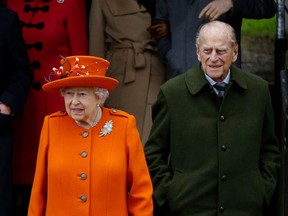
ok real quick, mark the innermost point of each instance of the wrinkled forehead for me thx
(219, 41)
(213, 38)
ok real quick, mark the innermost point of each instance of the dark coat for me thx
(206, 157)
(16, 74)
(50, 29)
(179, 50)
(16, 78)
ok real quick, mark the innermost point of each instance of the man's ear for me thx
(235, 53)
(198, 54)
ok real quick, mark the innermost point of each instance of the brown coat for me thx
(118, 33)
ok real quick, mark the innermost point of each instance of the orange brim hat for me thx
(80, 71)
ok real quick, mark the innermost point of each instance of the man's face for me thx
(216, 53)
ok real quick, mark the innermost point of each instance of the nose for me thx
(214, 56)
(75, 99)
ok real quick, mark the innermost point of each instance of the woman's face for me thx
(81, 103)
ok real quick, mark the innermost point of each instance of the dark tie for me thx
(220, 88)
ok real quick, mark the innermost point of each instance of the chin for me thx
(215, 74)
(75, 117)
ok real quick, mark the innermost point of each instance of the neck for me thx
(91, 123)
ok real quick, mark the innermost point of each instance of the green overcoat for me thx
(208, 158)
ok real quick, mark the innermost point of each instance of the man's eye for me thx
(207, 51)
(221, 52)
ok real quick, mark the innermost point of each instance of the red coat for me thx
(50, 29)
(80, 173)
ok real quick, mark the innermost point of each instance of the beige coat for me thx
(118, 33)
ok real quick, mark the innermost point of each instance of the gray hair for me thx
(102, 93)
(223, 25)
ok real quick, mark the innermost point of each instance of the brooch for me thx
(107, 128)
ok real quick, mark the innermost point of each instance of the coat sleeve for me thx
(21, 75)
(161, 13)
(251, 9)
(77, 28)
(97, 29)
(139, 183)
(157, 151)
(38, 197)
(269, 162)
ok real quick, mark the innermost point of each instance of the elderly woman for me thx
(90, 158)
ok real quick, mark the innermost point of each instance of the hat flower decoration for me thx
(80, 71)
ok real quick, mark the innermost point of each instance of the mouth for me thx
(215, 66)
(76, 111)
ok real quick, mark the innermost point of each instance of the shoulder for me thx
(250, 79)
(119, 117)
(118, 113)
(7, 14)
(250, 83)
(5, 11)
(182, 83)
(73, 2)
(59, 114)
(67, 6)
(173, 83)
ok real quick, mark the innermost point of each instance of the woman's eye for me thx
(82, 94)
(68, 93)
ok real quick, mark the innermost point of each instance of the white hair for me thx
(102, 94)
(230, 31)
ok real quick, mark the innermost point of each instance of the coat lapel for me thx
(195, 79)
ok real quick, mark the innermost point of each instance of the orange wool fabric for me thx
(80, 173)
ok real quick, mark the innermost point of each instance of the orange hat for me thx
(81, 71)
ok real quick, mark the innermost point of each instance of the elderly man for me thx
(212, 149)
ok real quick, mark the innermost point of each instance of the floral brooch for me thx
(107, 128)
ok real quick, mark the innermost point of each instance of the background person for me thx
(50, 28)
(176, 42)
(15, 81)
(118, 32)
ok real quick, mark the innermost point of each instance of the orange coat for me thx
(80, 173)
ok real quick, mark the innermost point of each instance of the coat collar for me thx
(195, 79)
